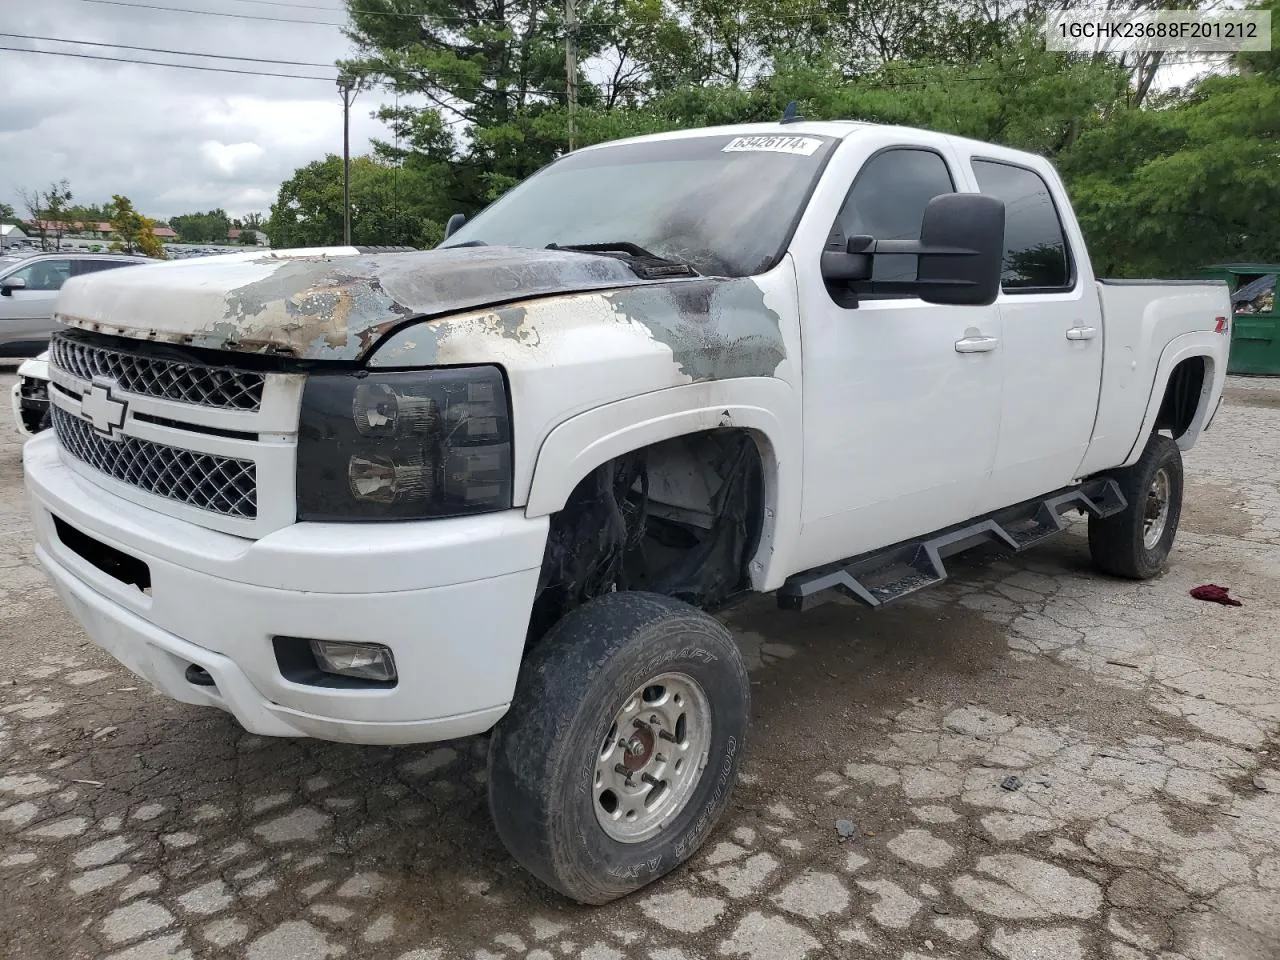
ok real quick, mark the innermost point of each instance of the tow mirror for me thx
(958, 255)
(961, 249)
(10, 284)
(455, 223)
(850, 264)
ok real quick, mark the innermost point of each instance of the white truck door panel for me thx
(901, 398)
(1052, 336)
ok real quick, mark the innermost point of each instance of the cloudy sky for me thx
(174, 141)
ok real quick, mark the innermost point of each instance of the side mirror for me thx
(850, 264)
(10, 284)
(958, 255)
(961, 249)
(454, 224)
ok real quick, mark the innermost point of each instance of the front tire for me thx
(621, 746)
(1135, 543)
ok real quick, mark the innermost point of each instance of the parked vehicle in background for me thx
(394, 498)
(31, 396)
(28, 288)
(1255, 334)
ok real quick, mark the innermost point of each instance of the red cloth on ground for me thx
(1215, 594)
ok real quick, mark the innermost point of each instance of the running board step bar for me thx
(883, 575)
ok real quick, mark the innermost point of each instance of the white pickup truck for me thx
(390, 498)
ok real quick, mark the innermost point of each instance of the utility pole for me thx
(344, 87)
(571, 61)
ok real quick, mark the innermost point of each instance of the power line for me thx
(281, 3)
(456, 90)
(439, 18)
(815, 15)
(179, 53)
(218, 13)
(175, 66)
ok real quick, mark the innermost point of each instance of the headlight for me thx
(430, 443)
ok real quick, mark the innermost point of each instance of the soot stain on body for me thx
(716, 329)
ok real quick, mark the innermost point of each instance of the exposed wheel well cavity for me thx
(681, 518)
(1182, 397)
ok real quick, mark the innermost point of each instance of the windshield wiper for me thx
(648, 266)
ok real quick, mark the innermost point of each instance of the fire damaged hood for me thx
(328, 304)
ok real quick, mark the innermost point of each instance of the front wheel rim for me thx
(1156, 513)
(651, 758)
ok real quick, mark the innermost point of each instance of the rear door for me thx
(1052, 335)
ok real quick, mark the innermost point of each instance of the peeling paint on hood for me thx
(320, 305)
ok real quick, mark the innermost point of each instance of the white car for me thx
(31, 396)
(392, 498)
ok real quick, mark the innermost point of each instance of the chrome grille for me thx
(194, 383)
(221, 485)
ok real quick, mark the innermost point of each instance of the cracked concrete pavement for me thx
(1141, 726)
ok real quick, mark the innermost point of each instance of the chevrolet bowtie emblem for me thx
(104, 411)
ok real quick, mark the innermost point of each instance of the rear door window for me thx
(80, 267)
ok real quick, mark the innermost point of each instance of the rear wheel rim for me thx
(1155, 516)
(652, 757)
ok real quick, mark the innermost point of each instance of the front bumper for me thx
(451, 598)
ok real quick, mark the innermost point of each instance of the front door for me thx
(26, 315)
(901, 398)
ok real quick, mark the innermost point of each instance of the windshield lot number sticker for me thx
(803, 146)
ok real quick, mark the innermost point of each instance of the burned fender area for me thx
(716, 329)
(679, 518)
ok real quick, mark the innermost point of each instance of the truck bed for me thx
(1147, 326)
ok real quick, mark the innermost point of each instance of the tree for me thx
(48, 210)
(89, 214)
(208, 227)
(389, 206)
(249, 227)
(8, 214)
(134, 231)
(1187, 180)
(493, 65)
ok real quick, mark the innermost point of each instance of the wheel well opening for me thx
(1181, 397)
(681, 518)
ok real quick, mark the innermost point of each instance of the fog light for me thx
(369, 661)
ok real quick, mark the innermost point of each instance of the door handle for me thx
(1082, 333)
(977, 344)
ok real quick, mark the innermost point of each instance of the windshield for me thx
(724, 205)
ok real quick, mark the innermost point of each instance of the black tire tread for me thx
(550, 703)
(1115, 542)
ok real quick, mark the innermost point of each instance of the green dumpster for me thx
(1255, 320)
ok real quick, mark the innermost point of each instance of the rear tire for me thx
(622, 745)
(1135, 543)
